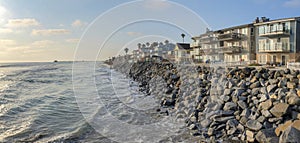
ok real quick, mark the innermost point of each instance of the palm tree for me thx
(147, 44)
(166, 42)
(126, 50)
(183, 35)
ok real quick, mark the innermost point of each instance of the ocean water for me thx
(45, 102)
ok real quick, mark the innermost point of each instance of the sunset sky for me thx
(45, 30)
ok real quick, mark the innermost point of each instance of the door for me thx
(283, 60)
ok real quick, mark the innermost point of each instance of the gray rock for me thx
(291, 85)
(255, 85)
(229, 106)
(223, 119)
(231, 131)
(242, 104)
(282, 83)
(243, 120)
(291, 135)
(240, 127)
(261, 119)
(238, 91)
(263, 97)
(253, 125)
(263, 90)
(192, 127)
(246, 113)
(294, 100)
(273, 120)
(267, 136)
(205, 123)
(266, 105)
(279, 109)
(232, 123)
(255, 91)
(271, 88)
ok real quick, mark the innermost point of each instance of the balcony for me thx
(277, 33)
(195, 45)
(230, 36)
(231, 49)
(208, 51)
(207, 40)
(273, 48)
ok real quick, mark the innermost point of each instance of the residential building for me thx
(237, 43)
(183, 53)
(278, 41)
(205, 47)
(229, 45)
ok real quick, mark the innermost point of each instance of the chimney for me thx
(256, 20)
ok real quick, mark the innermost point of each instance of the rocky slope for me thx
(225, 104)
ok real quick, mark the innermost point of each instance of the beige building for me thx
(237, 43)
(182, 53)
(229, 45)
(278, 41)
(205, 47)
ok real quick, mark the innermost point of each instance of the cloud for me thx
(78, 23)
(48, 32)
(42, 43)
(292, 3)
(3, 14)
(134, 33)
(26, 22)
(7, 42)
(72, 40)
(156, 4)
(6, 30)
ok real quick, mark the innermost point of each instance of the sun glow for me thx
(3, 12)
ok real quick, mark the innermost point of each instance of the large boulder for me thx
(254, 125)
(283, 127)
(267, 136)
(229, 106)
(279, 109)
(266, 105)
(290, 135)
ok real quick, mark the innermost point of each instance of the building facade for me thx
(205, 47)
(183, 53)
(229, 45)
(278, 41)
(237, 43)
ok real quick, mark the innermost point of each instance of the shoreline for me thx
(225, 104)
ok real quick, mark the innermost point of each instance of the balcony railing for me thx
(207, 40)
(230, 49)
(195, 45)
(285, 32)
(208, 51)
(230, 36)
(276, 47)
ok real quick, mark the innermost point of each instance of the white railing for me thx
(292, 65)
(275, 47)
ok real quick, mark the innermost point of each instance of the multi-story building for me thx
(229, 45)
(278, 41)
(205, 47)
(237, 43)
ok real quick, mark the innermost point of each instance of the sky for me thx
(47, 30)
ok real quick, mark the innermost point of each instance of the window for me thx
(252, 31)
(278, 40)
